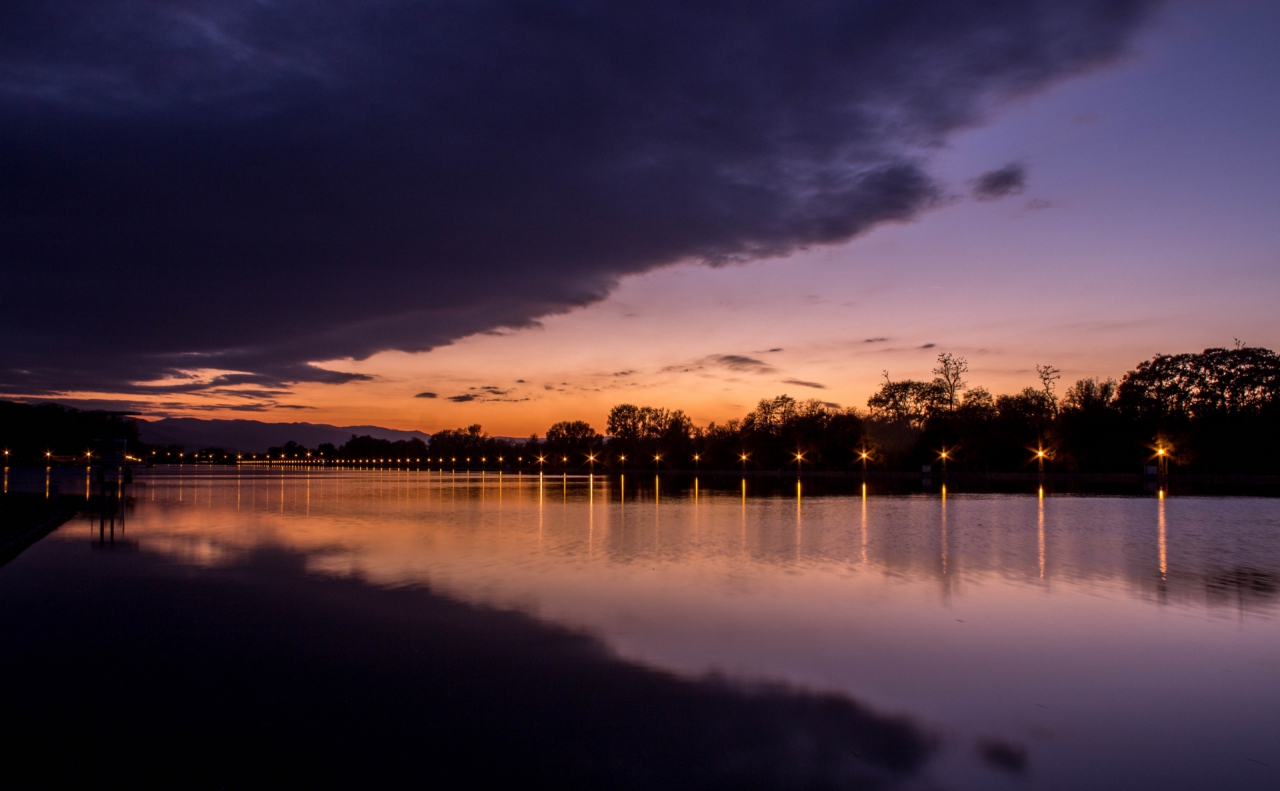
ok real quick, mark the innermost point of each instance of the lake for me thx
(268, 628)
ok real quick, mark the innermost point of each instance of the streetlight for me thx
(1162, 459)
(1040, 459)
(657, 458)
(541, 459)
(696, 459)
(799, 461)
(591, 459)
(864, 456)
(943, 455)
(743, 458)
(622, 458)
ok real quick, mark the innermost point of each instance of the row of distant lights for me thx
(864, 455)
(799, 457)
(592, 458)
(88, 454)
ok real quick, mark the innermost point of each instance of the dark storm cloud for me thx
(997, 184)
(250, 187)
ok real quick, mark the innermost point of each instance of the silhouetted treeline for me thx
(29, 431)
(367, 447)
(1213, 412)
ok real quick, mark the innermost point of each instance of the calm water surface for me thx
(1027, 641)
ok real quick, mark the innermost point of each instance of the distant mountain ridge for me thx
(255, 436)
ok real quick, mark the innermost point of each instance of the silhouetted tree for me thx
(950, 376)
(642, 432)
(574, 440)
(908, 402)
(471, 442)
(1048, 376)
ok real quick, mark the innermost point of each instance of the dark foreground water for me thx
(365, 629)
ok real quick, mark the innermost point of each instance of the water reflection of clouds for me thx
(259, 674)
(966, 621)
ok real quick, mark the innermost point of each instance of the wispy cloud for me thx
(737, 363)
(742, 363)
(996, 184)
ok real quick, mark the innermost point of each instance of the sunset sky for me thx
(259, 213)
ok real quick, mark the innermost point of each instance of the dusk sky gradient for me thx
(426, 215)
